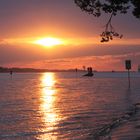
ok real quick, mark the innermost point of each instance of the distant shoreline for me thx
(33, 70)
(21, 70)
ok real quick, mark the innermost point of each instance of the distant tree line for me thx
(7, 70)
(3, 69)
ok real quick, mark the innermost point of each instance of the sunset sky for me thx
(74, 41)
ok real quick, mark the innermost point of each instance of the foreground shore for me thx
(126, 127)
(128, 131)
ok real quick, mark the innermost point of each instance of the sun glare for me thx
(48, 42)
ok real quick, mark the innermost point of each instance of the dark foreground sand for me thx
(129, 130)
(126, 127)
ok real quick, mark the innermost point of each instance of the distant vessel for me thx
(90, 73)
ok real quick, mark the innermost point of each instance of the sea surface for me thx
(64, 105)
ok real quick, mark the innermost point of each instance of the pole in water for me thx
(128, 67)
(128, 78)
(76, 70)
(11, 73)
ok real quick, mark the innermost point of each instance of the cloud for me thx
(27, 53)
(101, 63)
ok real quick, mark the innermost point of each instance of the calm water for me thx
(62, 106)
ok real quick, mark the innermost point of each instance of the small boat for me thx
(90, 73)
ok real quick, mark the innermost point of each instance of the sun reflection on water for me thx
(50, 116)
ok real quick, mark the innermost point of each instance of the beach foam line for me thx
(104, 132)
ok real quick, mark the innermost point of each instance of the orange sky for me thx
(24, 22)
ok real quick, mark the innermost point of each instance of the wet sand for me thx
(128, 131)
(126, 127)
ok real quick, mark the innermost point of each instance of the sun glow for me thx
(48, 42)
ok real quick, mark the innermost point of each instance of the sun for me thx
(48, 42)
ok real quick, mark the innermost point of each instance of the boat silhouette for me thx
(90, 73)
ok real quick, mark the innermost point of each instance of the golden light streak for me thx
(48, 98)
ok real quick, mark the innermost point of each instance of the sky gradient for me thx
(24, 21)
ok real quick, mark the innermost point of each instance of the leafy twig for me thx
(109, 32)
